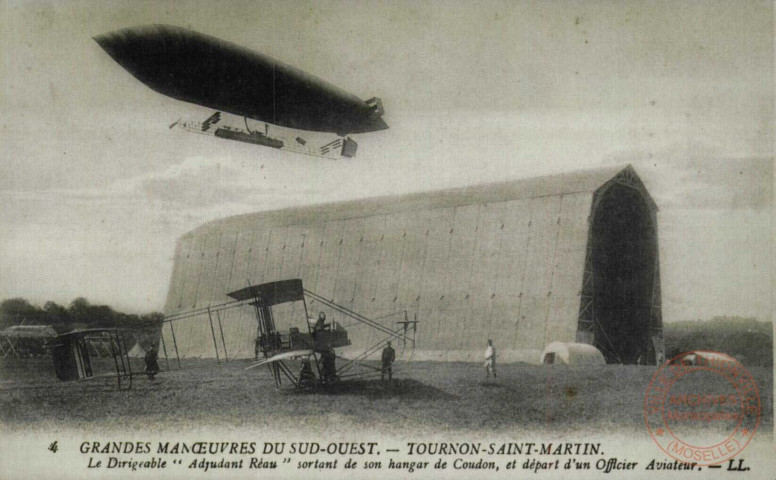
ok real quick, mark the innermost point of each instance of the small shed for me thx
(704, 358)
(572, 354)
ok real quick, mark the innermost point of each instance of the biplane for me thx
(302, 337)
(77, 356)
(219, 75)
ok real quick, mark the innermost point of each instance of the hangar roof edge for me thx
(580, 181)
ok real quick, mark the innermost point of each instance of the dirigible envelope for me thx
(204, 70)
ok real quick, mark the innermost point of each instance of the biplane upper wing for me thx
(272, 293)
(282, 356)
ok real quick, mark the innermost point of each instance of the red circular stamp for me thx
(702, 407)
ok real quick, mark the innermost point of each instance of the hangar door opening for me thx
(622, 277)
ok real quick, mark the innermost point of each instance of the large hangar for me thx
(569, 258)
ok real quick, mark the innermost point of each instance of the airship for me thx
(204, 70)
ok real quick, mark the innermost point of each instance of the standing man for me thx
(490, 360)
(152, 366)
(389, 355)
(328, 364)
(320, 324)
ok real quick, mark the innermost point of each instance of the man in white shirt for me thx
(490, 359)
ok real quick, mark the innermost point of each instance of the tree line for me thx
(78, 314)
(747, 339)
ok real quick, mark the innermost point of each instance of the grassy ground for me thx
(424, 397)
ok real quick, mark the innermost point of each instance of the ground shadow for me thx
(492, 384)
(375, 389)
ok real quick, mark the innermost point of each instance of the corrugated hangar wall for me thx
(504, 261)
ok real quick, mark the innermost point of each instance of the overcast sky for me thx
(95, 190)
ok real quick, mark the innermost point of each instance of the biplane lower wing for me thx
(282, 356)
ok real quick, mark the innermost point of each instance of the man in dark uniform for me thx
(389, 355)
(328, 364)
(152, 366)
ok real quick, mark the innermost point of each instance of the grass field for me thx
(424, 396)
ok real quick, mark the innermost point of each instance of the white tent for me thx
(572, 354)
(137, 351)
